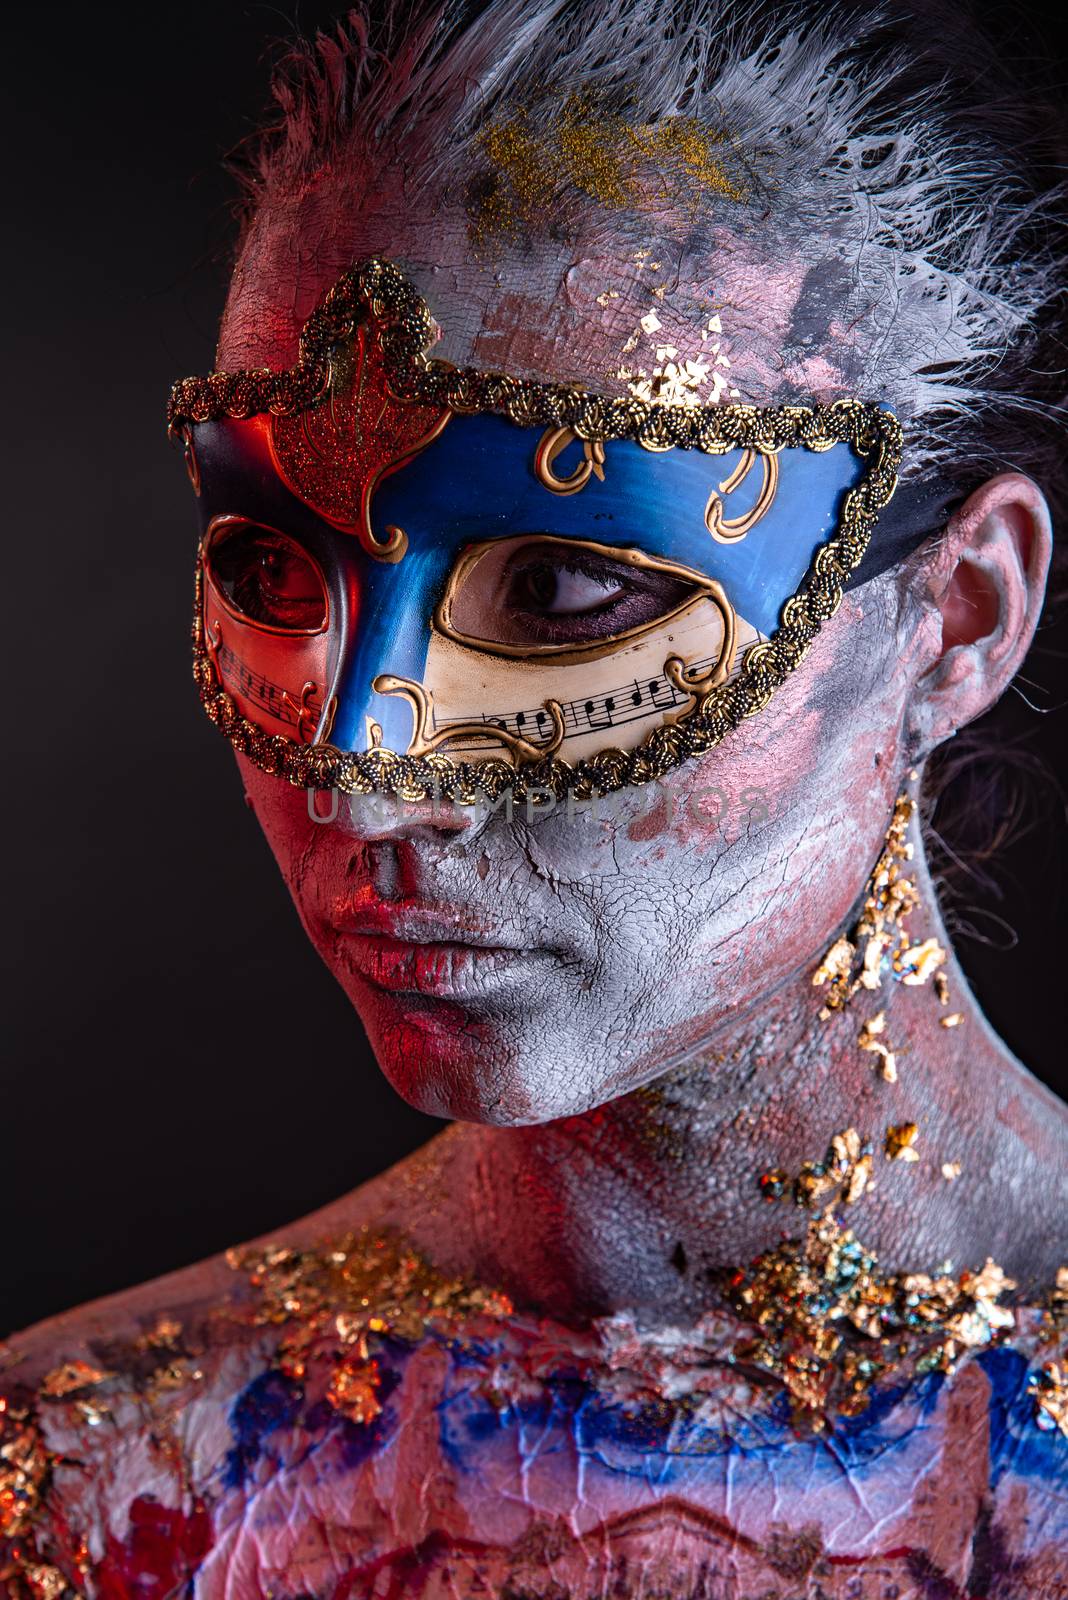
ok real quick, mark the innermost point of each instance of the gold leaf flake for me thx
(874, 949)
(868, 1040)
(836, 963)
(45, 1581)
(94, 1415)
(342, 1298)
(846, 1145)
(918, 963)
(858, 1180)
(900, 1138)
(164, 1334)
(353, 1390)
(1049, 1388)
(668, 384)
(951, 1170)
(845, 1170)
(879, 943)
(69, 1378)
(989, 1282)
(805, 1297)
(954, 1019)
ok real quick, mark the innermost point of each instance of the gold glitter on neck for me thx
(831, 1323)
(880, 944)
(844, 1173)
(868, 1039)
(900, 1141)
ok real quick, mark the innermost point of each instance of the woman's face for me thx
(517, 970)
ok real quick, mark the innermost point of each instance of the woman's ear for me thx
(988, 583)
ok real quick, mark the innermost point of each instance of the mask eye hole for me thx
(266, 577)
(541, 592)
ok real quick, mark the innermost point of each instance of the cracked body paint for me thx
(519, 1457)
(619, 936)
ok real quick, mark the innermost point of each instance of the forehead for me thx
(709, 317)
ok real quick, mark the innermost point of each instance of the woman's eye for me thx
(268, 578)
(562, 591)
(549, 591)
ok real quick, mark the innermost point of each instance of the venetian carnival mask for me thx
(419, 579)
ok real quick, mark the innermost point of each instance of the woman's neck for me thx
(649, 1200)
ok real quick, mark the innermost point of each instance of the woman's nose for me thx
(381, 817)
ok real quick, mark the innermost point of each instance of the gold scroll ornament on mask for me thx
(673, 660)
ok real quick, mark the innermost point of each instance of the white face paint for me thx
(678, 319)
(524, 970)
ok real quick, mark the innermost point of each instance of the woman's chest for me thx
(448, 1471)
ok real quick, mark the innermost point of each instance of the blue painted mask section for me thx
(477, 482)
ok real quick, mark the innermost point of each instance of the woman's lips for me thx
(452, 971)
(413, 949)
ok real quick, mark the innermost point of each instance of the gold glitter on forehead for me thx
(618, 164)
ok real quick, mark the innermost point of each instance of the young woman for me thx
(612, 490)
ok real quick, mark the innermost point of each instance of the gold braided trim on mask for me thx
(377, 290)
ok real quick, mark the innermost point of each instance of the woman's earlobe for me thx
(990, 584)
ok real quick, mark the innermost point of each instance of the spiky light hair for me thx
(876, 161)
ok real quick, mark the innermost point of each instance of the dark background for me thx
(180, 1071)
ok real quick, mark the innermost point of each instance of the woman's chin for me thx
(482, 1074)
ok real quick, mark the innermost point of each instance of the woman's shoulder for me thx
(129, 1425)
(121, 1419)
(199, 1300)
